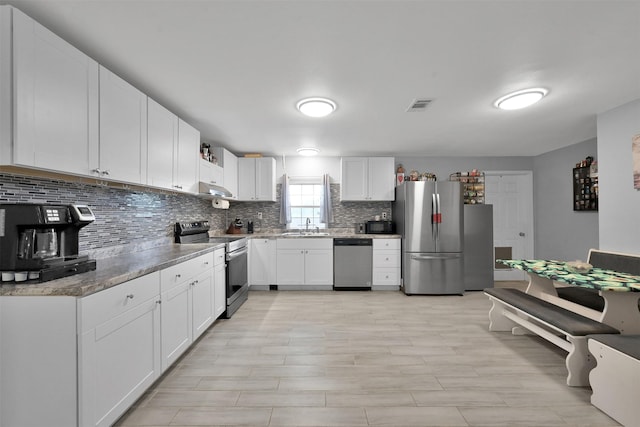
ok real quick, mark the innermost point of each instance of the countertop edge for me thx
(111, 272)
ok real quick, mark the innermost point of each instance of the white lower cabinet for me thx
(304, 263)
(119, 348)
(187, 305)
(386, 264)
(262, 261)
(88, 359)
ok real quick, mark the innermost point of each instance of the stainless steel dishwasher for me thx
(352, 264)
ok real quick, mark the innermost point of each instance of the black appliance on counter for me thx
(379, 227)
(39, 242)
(236, 249)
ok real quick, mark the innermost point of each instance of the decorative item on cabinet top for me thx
(472, 186)
(414, 175)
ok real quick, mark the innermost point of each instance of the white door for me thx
(511, 194)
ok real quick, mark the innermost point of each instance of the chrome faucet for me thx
(307, 226)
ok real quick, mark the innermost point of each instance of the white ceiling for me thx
(235, 69)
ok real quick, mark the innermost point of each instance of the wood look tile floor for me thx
(305, 358)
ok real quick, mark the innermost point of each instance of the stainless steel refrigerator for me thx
(429, 216)
(478, 247)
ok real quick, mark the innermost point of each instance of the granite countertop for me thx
(121, 268)
(111, 271)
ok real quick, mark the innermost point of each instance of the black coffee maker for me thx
(42, 240)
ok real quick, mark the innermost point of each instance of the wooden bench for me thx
(590, 298)
(513, 309)
(615, 380)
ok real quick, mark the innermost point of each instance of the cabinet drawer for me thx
(386, 276)
(176, 274)
(218, 256)
(302, 243)
(386, 244)
(102, 306)
(386, 259)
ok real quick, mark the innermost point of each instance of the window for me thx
(305, 196)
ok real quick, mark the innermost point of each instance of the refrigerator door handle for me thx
(438, 216)
(434, 217)
(432, 257)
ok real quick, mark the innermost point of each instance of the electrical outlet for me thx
(384, 215)
(259, 215)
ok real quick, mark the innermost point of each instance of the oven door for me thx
(237, 280)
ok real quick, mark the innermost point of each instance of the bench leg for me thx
(614, 382)
(497, 322)
(579, 362)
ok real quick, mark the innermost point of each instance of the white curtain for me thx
(326, 212)
(285, 202)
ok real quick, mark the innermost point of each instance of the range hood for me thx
(212, 190)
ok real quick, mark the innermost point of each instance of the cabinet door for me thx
(265, 176)
(318, 267)
(381, 178)
(119, 357)
(55, 101)
(219, 290)
(210, 173)
(202, 303)
(290, 267)
(187, 157)
(354, 180)
(246, 179)
(177, 324)
(162, 136)
(123, 130)
(261, 262)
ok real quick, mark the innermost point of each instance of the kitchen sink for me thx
(304, 234)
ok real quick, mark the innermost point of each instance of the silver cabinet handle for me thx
(130, 296)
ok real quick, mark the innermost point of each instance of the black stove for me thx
(236, 248)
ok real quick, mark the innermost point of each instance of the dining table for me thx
(621, 291)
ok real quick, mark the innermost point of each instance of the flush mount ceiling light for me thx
(316, 107)
(521, 99)
(308, 151)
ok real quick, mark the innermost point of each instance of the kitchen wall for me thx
(619, 201)
(346, 214)
(560, 232)
(444, 166)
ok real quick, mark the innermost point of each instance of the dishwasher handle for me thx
(352, 242)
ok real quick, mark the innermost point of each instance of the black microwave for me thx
(379, 227)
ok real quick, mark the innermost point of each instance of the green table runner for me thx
(597, 278)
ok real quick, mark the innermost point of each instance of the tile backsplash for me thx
(134, 218)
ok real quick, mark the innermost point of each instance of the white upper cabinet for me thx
(367, 179)
(211, 173)
(230, 170)
(55, 99)
(257, 179)
(123, 130)
(162, 141)
(188, 154)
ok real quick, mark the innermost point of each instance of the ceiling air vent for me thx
(419, 104)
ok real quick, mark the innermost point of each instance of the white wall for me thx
(619, 202)
(560, 232)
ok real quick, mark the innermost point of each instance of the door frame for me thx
(529, 245)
